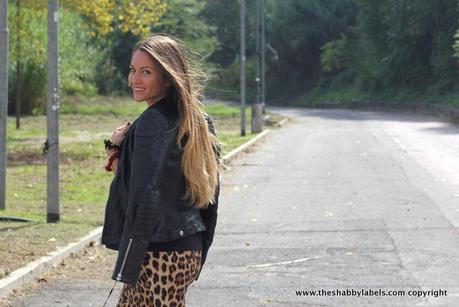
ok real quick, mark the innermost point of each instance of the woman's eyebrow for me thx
(141, 67)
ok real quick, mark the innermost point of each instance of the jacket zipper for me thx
(118, 277)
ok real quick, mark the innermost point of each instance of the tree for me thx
(183, 20)
(405, 44)
(298, 29)
(224, 17)
(98, 17)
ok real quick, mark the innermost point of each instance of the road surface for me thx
(349, 202)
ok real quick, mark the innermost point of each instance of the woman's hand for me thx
(120, 132)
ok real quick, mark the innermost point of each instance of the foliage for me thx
(182, 20)
(226, 83)
(224, 17)
(77, 60)
(373, 46)
(80, 21)
(334, 53)
(33, 78)
(113, 67)
(78, 56)
(298, 29)
(416, 43)
(102, 16)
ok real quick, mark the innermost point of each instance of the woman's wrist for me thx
(110, 151)
(111, 145)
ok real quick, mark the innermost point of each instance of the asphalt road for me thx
(334, 201)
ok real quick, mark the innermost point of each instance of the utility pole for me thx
(3, 97)
(242, 65)
(257, 108)
(263, 55)
(257, 53)
(18, 86)
(52, 142)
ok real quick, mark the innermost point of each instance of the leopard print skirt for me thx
(164, 280)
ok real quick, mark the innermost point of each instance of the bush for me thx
(33, 88)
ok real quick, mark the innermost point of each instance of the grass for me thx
(83, 181)
(346, 95)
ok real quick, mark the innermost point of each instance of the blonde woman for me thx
(162, 206)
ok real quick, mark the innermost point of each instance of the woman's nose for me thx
(134, 77)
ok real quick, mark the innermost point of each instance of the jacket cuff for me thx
(129, 261)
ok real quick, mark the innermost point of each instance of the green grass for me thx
(222, 110)
(102, 106)
(401, 97)
(83, 181)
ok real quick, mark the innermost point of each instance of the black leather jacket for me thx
(145, 200)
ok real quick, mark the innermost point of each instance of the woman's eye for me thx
(146, 72)
(131, 69)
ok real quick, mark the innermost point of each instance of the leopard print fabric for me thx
(163, 281)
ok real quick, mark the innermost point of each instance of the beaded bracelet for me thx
(112, 158)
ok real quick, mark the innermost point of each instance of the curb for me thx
(235, 153)
(283, 122)
(32, 270)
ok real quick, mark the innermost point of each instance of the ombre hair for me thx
(200, 162)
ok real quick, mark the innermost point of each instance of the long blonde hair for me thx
(199, 159)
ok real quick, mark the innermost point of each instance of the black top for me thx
(193, 242)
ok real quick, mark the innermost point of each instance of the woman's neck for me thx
(154, 100)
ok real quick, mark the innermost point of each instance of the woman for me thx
(162, 206)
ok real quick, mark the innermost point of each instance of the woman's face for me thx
(147, 79)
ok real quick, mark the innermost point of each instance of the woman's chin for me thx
(138, 99)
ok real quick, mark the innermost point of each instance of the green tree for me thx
(298, 29)
(184, 21)
(224, 17)
(405, 43)
(27, 20)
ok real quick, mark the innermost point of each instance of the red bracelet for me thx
(112, 158)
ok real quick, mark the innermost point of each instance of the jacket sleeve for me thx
(151, 143)
(209, 215)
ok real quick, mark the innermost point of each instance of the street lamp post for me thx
(263, 55)
(257, 107)
(242, 65)
(3, 98)
(52, 143)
